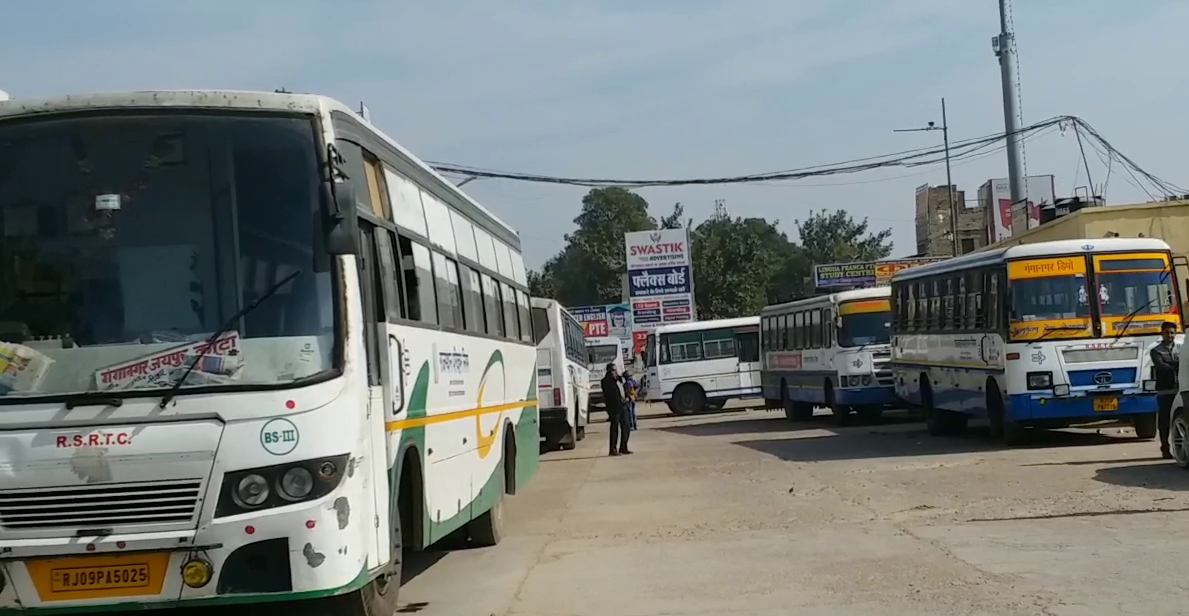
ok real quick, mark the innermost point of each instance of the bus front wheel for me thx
(1145, 426)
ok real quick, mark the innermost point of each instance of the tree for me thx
(837, 238)
(734, 262)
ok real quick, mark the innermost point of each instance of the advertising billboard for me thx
(605, 320)
(995, 198)
(862, 274)
(660, 278)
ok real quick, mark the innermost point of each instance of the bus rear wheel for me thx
(688, 399)
(486, 530)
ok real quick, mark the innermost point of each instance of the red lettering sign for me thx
(659, 249)
(95, 439)
(597, 329)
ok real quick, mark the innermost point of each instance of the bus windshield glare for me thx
(1141, 285)
(602, 354)
(129, 239)
(865, 328)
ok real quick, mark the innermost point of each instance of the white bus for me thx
(563, 378)
(600, 351)
(1039, 335)
(832, 351)
(703, 364)
(251, 349)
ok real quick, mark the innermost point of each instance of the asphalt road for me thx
(741, 512)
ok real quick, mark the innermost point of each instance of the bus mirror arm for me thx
(342, 225)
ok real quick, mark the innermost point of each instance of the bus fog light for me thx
(1061, 390)
(296, 483)
(1149, 385)
(251, 491)
(866, 380)
(197, 573)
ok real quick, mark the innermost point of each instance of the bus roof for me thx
(697, 326)
(830, 298)
(1038, 249)
(313, 104)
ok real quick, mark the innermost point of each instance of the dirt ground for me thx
(742, 512)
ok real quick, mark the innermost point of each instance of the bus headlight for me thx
(1040, 380)
(1149, 385)
(296, 484)
(254, 489)
(1061, 390)
(251, 491)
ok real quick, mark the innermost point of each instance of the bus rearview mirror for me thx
(342, 226)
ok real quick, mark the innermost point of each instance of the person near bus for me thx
(631, 390)
(616, 415)
(1165, 366)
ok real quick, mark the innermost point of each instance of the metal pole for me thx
(949, 180)
(1005, 50)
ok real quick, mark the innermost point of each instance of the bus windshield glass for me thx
(864, 322)
(1141, 285)
(129, 239)
(602, 354)
(650, 351)
(541, 325)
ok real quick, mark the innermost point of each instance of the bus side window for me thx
(828, 325)
(994, 302)
(783, 334)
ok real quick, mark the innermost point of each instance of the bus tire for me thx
(381, 594)
(786, 402)
(1010, 433)
(569, 439)
(581, 433)
(688, 398)
(1145, 426)
(1179, 437)
(486, 530)
(935, 418)
(841, 412)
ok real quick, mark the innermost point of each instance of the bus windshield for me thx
(129, 239)
(865, 328)
(602, 354)
(541, 325)
(1141, 285)
(1053, 298)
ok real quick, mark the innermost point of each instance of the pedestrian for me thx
(631, 390)
(1165, 366)
(616, 415)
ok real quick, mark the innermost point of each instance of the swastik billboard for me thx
(862, 274)
(660, 278)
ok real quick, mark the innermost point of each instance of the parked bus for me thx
(261, 350)
(1039, 335)
(703, 364)
(563, 378)
(832, 351)
(600, 351)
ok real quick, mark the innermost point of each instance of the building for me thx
(933, 229)
(1003, 220)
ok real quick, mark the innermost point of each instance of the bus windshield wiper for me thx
(177, 386)
(1063, 328)
(1126, 322)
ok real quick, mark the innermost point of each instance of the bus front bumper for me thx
(1074, 408)
(296, 552)
(866, 396)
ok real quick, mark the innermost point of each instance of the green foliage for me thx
(740, 264)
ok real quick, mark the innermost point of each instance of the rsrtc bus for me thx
(600, 351)
(251, 350)
(1039, 335)
(831, 350)
(703, 364)
(563, 377)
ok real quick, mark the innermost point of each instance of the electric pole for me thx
(949, 180)
(1005, 48)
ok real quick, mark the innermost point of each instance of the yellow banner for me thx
(1045, 268)
(1146, 325)
(864, 307)
(1052, 329)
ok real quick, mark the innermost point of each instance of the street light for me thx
(945, 134)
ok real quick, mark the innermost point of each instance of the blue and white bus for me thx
(831, 350)
(1041, 335)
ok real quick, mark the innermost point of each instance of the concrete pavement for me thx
(744, 513)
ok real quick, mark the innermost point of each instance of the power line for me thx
(960, 150)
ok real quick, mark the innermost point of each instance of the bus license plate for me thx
(1104, 405)
(100, 577)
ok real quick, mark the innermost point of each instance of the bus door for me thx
(747, 348)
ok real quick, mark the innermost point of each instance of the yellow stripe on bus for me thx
(417, 422)
(864, 307)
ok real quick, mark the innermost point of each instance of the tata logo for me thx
(1103, 378)
(857, 363)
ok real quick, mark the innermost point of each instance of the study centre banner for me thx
(862, 274)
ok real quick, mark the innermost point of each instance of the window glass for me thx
(747, 345)
(492, 308)
(405, 199)
(483, 241)
(541, 325)
(526, 325)
(418, 281)
(464, 236)
(472, 303)
(511, 326)
(718, 343)
(683, 346)
(437, 218)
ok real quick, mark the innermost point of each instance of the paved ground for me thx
(744, 513)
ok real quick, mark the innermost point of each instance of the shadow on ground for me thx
(1154, 475)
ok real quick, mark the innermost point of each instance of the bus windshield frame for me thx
(864, 322)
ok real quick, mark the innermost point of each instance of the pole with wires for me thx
(1005, 48)
(949, 179)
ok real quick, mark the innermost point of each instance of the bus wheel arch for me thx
(508, 458)
(411, 499)
(688, 398)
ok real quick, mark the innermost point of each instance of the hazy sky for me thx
(660, 88)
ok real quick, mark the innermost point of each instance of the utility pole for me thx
(949, 179)
(1005, 48)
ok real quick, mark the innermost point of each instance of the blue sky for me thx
(666, 88)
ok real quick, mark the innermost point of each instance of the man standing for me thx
(1165, 366)
(616, 415)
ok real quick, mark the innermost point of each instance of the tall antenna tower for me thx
(720, 208)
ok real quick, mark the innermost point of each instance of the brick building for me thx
(933, 222)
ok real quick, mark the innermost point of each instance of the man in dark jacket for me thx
(613, 399)
(1165, 368)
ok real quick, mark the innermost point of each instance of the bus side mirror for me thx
(342, 226)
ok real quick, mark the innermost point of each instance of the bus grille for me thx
(100, 505)
(881, 361)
